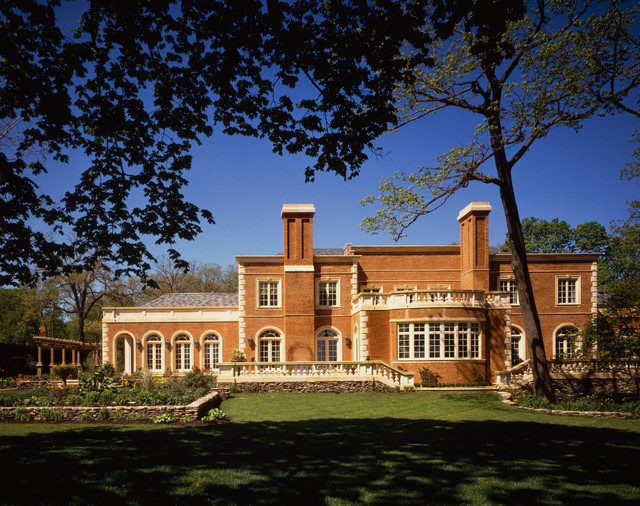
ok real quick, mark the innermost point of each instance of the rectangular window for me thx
(268, 294)
(327, 293)
(404, 338)
(434, 340)
(567, 291)
(447, 340)
(509, 285)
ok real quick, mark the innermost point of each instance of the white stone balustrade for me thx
(426, 298)
(314, 371)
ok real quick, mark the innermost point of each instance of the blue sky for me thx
(569, 175)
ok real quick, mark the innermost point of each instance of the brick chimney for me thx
(474, 246)
(299, 281)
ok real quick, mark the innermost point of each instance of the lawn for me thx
(417, 448)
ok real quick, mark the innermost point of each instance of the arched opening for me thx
(153, 352)
(123, 351)
(211, 351)
(327, 346)
(270, 346)
(182, 353)
(565, 339)
(518, 346)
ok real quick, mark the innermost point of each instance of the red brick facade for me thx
(444, 308)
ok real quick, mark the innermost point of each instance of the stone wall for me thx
(594, 383)
(308, 386)
(196, 410)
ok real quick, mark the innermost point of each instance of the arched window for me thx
(182, 353)
(565, 342)
(518, 346)
(327, 346)
(269, 343)
(211, 351)
(154, 353)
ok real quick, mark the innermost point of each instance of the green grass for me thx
(420, 448)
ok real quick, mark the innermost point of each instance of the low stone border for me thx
(196, 410)
(309, 386)
(507, 398)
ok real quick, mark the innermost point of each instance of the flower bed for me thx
(99, 397)
(567, 402)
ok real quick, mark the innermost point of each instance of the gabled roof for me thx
(195, 300)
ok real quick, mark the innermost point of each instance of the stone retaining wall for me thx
(196, 410)
(307, 386)
(591, 383)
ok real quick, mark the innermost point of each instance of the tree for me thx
(197, 277)
(557, 236)
(17, 325)
(137, 84)
(558, 64)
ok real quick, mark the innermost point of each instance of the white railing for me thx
(422, 298)
(570, 366)
(514, 374)
(314, 371)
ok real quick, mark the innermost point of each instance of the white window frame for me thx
(211, 348)
(509, 285)
(518, 333)
(409, 297)
(331, 338)
(568, 348)
(270, 336)
(320, 291)
(158, 344)
(561, 293)
(278, 287)
(439, 340)
(372, 289)
(182, 347)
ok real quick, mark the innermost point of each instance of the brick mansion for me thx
(452, 309)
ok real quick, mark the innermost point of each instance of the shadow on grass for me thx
(373, 461)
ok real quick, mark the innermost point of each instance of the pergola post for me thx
(64, 355)
(51, 363)
(39, 364)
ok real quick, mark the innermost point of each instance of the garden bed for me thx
(141, 398)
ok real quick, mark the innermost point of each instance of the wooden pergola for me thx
(65, 344)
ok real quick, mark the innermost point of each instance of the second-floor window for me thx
(509, 285)
(268, 294)
(327, 293)
(567, 291)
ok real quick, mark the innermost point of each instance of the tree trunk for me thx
(520, 266)
(80, 328)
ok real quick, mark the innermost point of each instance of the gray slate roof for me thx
(194, 300)
(324, 251)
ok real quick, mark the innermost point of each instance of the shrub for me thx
(64, 371)
(119, 415)
(4, 415)
(234, 389)
(186, 419)
(22, 415)
(107, 397)
(92, 398)
(213, 415)
(199, 392)
(248, 389)
(99, 380)
(196, 379)
(52, 415)
(104, 414)
(85, 416)
(141, 417)
(123, 398)
(164, 418)
(237, 356)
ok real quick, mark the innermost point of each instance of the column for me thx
(39, 364)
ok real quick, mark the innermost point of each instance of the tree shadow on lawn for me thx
(373, 461)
